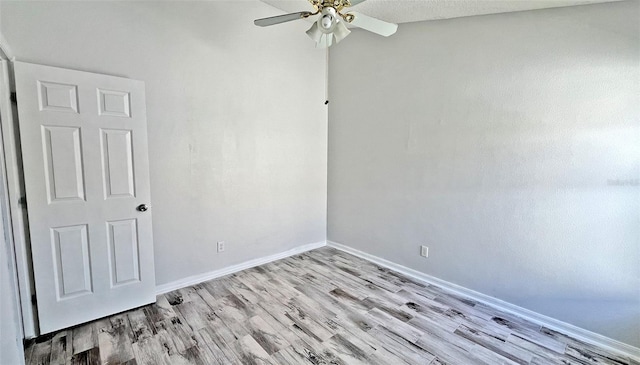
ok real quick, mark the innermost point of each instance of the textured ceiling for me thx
(404, 11)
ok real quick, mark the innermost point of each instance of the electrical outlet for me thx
(424, 251)
(220, 246)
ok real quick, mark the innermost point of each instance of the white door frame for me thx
(6, 236)
(12, 191)
(7, 240)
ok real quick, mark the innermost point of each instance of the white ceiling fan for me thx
(330, 25)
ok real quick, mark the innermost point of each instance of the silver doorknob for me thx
(143, 208)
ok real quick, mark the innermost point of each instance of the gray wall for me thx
(510, 145)
(236, 121)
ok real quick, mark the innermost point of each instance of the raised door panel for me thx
(123, 251)
(117, 163)
(71, 261)
(57, 97)
(114, 103)
(63, 163)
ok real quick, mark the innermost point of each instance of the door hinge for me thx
(14, 97)
(22, 200)
(33, 299)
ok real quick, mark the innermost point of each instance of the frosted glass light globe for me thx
(327, 21)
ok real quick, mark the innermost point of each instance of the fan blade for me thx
(265, 22)
(314, 32)
(373, 25)
(341, 31)
(355, 2)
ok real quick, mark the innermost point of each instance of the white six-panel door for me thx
(84, 147)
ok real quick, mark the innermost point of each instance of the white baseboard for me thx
(551, 323)
(197, 279)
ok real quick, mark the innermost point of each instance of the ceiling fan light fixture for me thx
(341, 31)
(328, 20)
(322, 43)
(330, 27)
(326, 41)
(329, 40)
(315, 33)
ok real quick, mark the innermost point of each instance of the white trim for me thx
(197, 279)
(6, 228)
(554, 324)
(18, 213)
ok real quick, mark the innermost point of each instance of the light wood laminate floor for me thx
(321, 307)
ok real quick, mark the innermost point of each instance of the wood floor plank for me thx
(380, 283)
(315, 352)
(349, 299)
(500, 329)
(400, 328)
(219, 342)
(383, 357)
(196, 311)
(287, 356)
(450, 350)
(212, 353)
(320, 307)
(532, 335)
(389, 308)
(28, 351)
(420, 313)
(174, 297)
(256, 283)
(88, 357)
(278, 311)
(251, 353)
(140, 326)
(323, 314)
(84, 338)
(549, 348)
(200, 356)
(217, 288)
(592, 357)
(40, 353)
(309, 328)
(346, 350)
(61, 346)
(312, 322)
(495, 344)
(181, 333)
(244, 293)
(401, 347)
(189, 293)
(265, 335)
(351, 319)
(543, 359)
(583, 346)
(114, 340)
(232, 317)
(483, 355)
(168, 343)
(149, 351)
(160, 311)
(427, 325)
